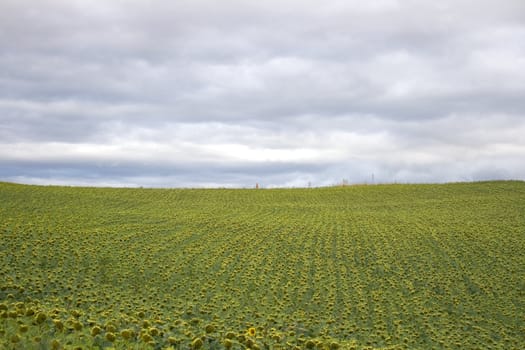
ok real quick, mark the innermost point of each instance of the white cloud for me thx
(201, 93)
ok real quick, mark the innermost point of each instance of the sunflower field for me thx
(356, 267)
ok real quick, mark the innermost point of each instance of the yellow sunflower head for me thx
(251, 331)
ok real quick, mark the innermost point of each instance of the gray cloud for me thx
(199, 93)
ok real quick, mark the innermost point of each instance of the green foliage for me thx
(355, 267)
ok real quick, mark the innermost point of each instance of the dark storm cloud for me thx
(198, 92)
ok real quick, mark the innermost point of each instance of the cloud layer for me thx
(283, 93)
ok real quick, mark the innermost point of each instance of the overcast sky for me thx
(228, 93)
